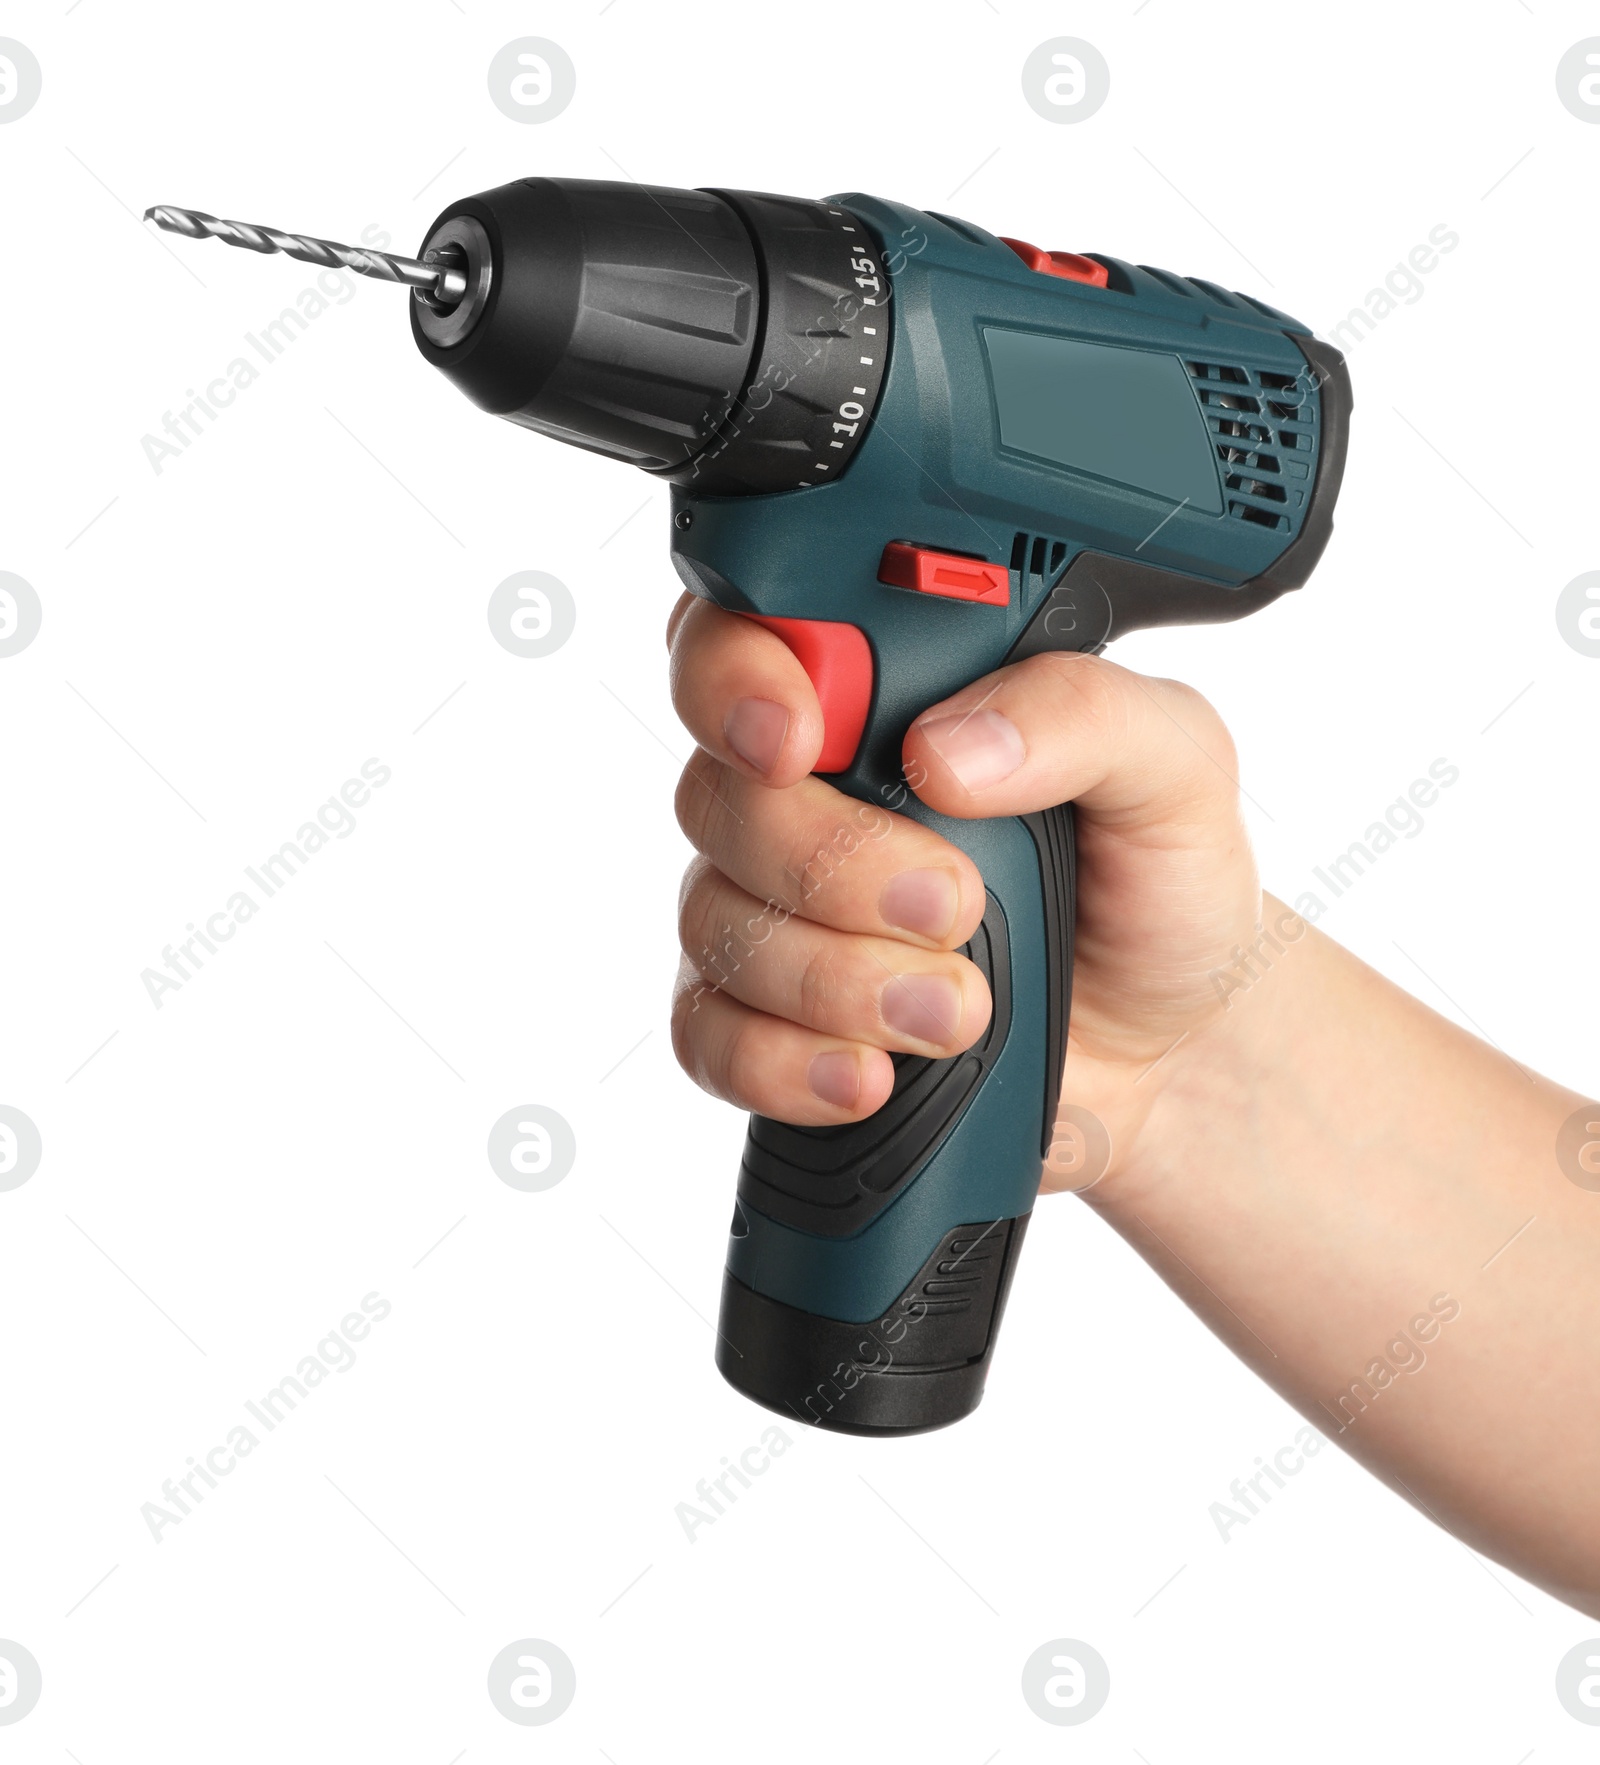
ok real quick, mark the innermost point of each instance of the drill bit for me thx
(440, 280)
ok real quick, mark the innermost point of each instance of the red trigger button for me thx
(1068, 264)
(838, 659)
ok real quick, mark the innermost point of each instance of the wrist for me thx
(1205, 1088)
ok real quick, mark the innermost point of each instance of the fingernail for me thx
(755, 729)
(979, 747)
(921, 901)
(836, 1078)
(922, 1007)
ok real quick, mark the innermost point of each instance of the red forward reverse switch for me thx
(948, 574)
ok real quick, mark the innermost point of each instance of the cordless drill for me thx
(915, 451)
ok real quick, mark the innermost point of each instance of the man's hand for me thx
(1362, 1200)
(818, 933)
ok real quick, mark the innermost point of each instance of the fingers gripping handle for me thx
(868, 1265)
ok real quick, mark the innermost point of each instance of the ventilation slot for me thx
(1263, 488)
(1266, 470)
(1036, 561)
(1231, 401)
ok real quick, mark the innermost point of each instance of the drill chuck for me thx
(729, 341)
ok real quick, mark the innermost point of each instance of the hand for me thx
(819, 933)
(1325, 1170)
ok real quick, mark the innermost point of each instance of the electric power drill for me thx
(916, 451)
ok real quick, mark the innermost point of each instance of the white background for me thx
(225, 642)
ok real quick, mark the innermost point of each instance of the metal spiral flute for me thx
(440, 280)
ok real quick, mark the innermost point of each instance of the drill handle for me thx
(868, 1264)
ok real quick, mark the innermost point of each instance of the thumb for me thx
(1134, 753)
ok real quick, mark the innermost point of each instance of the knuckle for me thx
(1190, 701)
(701, 801)
(1063, 668)
(809, 864)
(689, 1025)
(818, 987)
(676, 617)
(686, 807)
(1099, 693)
(1213, 752)
(745, 1067)
(683, 1011)
(699, 900)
